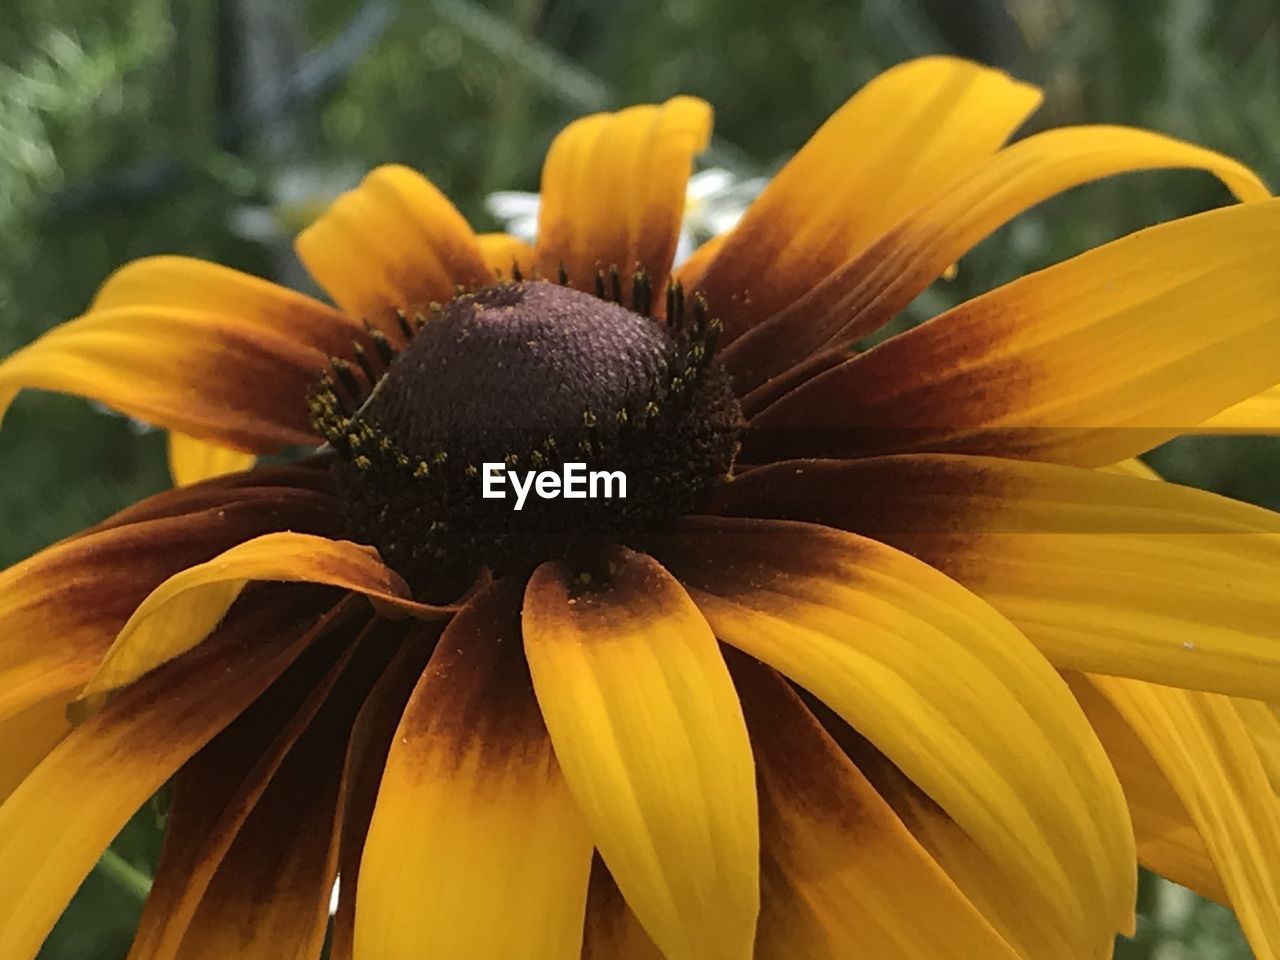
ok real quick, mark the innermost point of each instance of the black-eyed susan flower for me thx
(885, 654)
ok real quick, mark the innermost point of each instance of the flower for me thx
(894, 653)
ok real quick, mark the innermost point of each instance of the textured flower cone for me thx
(892, 654)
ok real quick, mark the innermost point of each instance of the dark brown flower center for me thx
(531, 390)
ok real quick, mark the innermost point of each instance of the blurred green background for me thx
(217, 128)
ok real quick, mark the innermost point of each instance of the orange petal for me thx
(905, 656)
(52, 830)
(204, 374)
(613, 191)
(191, 346)
(60, 609)
(395, 241)
(893, 146)
(475, 848)
(842, 877)
(868, 290)
(181, 612)
(185, 283)
(647, 727)
(1107, 574)
(1088, 362)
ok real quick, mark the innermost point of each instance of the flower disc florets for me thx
(533, 376)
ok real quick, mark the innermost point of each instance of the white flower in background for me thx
(714, 203)
(716, 200)
(517, 210)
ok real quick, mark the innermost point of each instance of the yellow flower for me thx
(872, 660)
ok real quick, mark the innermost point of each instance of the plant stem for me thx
(125, 874)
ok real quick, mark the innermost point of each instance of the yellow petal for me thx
(870, 289)
(54, 827)
(193, 346)
(842, 877)
(27, 737)
(1262, 720)
(395, 241)
(1012, 908)
(475, 848)
(1203, 748)
(185, 283)
(506, 255)
(1169, 842)
(1088, 362)
(1106, 574)
(1259, 414)
(647, 727)
(1133, 467)
(613, 191)
(181, 612)
(943, 685)
(367, 750)
(889, 149)
(192, 460)
(206, 374)
(60, 609)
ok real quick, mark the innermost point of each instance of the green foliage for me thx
(144, 126)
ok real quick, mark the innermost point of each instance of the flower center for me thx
(513, 382)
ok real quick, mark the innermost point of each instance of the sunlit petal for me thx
(475, 848)
(395, 241)
(1087, 362)
(943, 685)
(647, 727)
(932, 118)
(1109, 574)
(613, 191)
